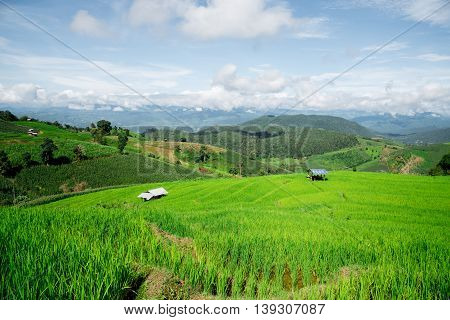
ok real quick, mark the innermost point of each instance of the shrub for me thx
(122, 141)
(81, 186)
(79, 153)
(27, 160)
(47, 149)
(5, 164)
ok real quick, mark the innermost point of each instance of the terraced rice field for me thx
(355, 236)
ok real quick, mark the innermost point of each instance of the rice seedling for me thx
(355, 236)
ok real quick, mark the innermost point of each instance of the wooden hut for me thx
(317, 174)
(153, 194)
(32, 132)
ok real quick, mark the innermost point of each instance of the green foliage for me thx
(330, 123)
(445, 162)
(7, 116)
(48, 147)
(122, 141)
(65, 148)
(288, 143)
(104, 127)
(11, 127)
(339, 160)
(203, 155)
(99, 136)
(101, 172)
(27, 160)
(355, 236)
(5, 164)
(79, 153)
(442, 168)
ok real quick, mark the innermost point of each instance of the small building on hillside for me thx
(153, 194)
(32, 132)
(317, 174)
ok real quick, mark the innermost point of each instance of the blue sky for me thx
(227, 53)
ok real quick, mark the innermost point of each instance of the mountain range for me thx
(418, 128)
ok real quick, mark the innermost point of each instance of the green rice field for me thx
(355, 236)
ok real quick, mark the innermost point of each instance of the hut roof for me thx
(153, 193)
(158, 192)
(318, 172)
(145, 195)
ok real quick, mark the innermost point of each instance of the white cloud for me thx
(414, 10)
(311, 28)
(267, 81)
(375, 90)
(418, 9)
(156, 12)
(23, 92)
(68, 73)
(225, 18)
(235, 18)
(87, 25)
(434, 57)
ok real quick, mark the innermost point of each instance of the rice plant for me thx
(355, 236)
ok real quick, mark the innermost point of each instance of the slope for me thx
(355, 236)
(313, 121)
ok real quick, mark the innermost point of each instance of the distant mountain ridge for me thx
(330, 123)
(432, 136)
(404, 124)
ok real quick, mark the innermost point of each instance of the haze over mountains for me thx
(157, 116)
(421, 127)
(404, 124)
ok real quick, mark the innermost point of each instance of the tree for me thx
(445, 162)
(203, 155)
(26, 159)
(5, 164)
(47, 149)
(233, 171)
(98, 136)
(442, 168)
(123, 140)
(7, 116)
(114, 131)
(104, 126)
(79, 153)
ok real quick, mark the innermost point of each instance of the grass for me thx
(355, 236)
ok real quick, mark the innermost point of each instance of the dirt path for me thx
(413, 162)
(161, 283)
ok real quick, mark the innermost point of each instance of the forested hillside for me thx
(312, 121)
(286, 142)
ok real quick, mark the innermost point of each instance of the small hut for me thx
(317, 174)
(32, 132)
(153, 194)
